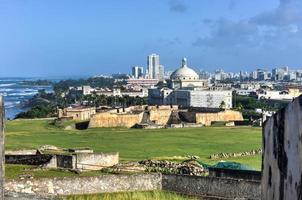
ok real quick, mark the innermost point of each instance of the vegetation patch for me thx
(154, 195)
(135, 144)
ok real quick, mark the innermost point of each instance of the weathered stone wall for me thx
(28, 159)
(225, 116)
(282, 154)
(212, 187)
(160, 116)
(235, 173)
(188, 116)
(86, 185)
(22, 152)
(225, 188)
(24, 196)
(96, 161)
(81, 161)
(115, 120)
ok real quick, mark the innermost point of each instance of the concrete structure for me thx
(287, 95)
(223, 116)
(161, 96)
(86, 90)
(145, 82)
(143, 92)
(79, 113)
(129, 117)
(191, 97)
(163, 116)
(161, 75)
(282, 154)
(2, 120)
(75, 161)
(137, 71)
(155, 71)
(212, 187)
(203, 98)
(208, 187)
(114, 119)
(86, 185)
(187, 90)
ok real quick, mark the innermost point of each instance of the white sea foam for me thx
(23, 94)
(6, 90)
(7, 84)
(11, 104)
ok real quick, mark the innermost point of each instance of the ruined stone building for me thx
(78, 113)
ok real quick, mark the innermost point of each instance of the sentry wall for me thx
(212, 186)
(187, 185)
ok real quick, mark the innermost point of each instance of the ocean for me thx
(15, 94)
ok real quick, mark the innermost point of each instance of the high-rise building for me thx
(137, 71)
(161, 75)
(153, 66)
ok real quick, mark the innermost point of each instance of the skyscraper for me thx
(161, 75)
(153, 66)
(137, 71)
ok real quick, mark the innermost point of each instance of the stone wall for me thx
(212, 187)
(86, 185)
(188, 116)
(160, 116)
(282, 154)
(235, 173)
(225, 116)
(96, 161)
(108, 119)
(28, 159)
(80, 161)
(22, 152)
(225, 188)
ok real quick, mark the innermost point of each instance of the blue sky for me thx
(78, 37)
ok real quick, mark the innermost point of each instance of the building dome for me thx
(184, 72)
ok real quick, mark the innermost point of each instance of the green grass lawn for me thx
(138, 144)
(154, 195)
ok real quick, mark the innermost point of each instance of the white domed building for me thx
(185, 77)
(187, 90)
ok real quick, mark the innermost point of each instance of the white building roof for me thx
(184, 72)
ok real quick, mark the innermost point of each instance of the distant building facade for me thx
(145, 82)
(191, 98)
(137, 72)
(155, 70)
(187, 90)
(79, 113)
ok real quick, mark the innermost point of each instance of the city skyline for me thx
(71, 38)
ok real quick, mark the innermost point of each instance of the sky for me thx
(79, 37)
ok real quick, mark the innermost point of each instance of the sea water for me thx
(16, 93)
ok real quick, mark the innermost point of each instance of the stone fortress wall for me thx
(159, 115)
(107, 120)
(227, 115)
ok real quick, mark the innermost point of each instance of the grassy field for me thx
(138, 144)
(154, 195)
